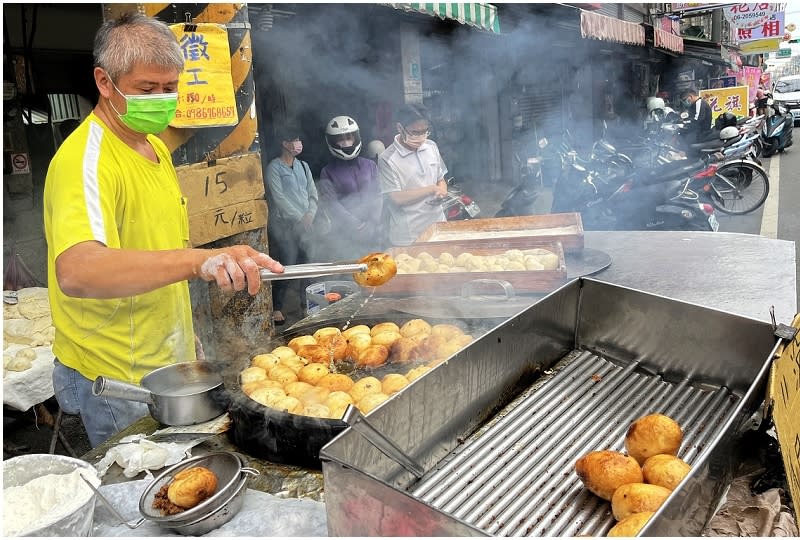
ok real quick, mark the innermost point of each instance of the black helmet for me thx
(725, 120)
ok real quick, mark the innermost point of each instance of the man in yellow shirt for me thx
(117, 232)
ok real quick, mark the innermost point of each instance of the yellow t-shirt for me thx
(98, 188)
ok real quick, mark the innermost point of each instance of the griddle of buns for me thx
(415, 344)
(188, 488)
(512, 260)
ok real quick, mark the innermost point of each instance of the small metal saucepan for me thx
(181, 394)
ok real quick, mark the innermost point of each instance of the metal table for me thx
(739, 273)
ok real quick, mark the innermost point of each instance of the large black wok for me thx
(293, 439)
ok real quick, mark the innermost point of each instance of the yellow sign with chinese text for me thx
(760, 46)
(784, 390)
(205, 88)
(722, 100)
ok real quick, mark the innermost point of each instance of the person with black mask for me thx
(698, 124)
(350, 194)
(292, 198)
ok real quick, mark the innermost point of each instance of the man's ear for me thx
(103, 82)
(399, 127)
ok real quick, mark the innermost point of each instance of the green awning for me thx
(477, 14)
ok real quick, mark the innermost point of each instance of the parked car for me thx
(787, 91)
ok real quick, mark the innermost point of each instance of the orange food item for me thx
(333, 297)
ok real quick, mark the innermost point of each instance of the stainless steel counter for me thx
(744, 274)
(739, 273)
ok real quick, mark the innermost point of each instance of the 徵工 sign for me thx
(205, 88)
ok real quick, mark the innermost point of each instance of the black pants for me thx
(286, 247)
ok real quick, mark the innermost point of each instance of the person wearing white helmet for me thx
(658, 112)
(350, 194)
(375, 149)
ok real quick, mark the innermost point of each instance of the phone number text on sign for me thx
(210, 112)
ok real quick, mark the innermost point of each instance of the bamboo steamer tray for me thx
(518, 232)
(448, 283)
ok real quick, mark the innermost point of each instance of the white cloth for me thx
(262, 515)
(24, 389)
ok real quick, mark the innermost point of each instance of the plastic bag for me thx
(17, 276)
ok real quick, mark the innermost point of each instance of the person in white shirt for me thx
(411, 173)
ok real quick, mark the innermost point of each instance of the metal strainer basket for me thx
(227, 466)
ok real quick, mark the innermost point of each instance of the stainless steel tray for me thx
(497, 428)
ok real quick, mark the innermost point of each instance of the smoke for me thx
(487, 91)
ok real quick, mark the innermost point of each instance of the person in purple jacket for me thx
(349, 194)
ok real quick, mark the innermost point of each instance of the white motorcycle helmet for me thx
(728, 133)
(338, 126)
(374, 149)
(655, 103)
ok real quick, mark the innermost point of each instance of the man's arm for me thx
(92, 270)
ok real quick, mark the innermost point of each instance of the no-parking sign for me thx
(20, 164)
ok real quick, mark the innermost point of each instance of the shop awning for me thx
(597, 26)
(664, 40)
(477, 14)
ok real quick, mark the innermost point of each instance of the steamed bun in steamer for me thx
(335, 346)
(297, 388)
(393, 382)
(326, 332)
(283, 352)
(314, 353)
(282, 374)
(337, 402)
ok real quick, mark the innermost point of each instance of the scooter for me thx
(455, 205)
(521, 200)
(776, 131)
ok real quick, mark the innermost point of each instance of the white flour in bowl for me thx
(42, 501)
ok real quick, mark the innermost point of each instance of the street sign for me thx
(20, 164)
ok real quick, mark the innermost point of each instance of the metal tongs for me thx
(300, 271)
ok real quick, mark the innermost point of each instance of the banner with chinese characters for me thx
(756, 21)
(721, 100)
(205, 88)
(751, 76)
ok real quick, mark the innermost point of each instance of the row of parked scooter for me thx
(658, 182)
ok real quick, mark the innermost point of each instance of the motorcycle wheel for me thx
(739, 188)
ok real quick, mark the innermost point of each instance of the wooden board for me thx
(518, 231)
(451, 283)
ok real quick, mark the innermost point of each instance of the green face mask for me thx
(148, 113)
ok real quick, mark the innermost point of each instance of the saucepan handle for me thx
(103, 386)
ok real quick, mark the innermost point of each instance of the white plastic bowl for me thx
(73, 518)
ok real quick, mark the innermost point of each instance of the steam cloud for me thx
(333, 59)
